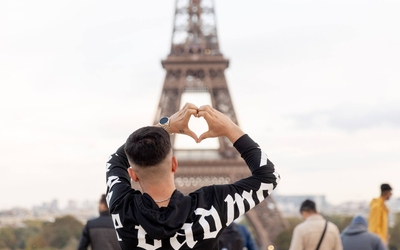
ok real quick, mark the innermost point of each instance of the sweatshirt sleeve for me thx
(117, 177)
(234, 200)
(257, 161)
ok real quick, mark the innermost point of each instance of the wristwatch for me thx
(164, 123)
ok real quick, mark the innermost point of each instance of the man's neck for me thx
(309, 214)
(161, 193)
(104, 212)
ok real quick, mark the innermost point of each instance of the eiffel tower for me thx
(196, 65)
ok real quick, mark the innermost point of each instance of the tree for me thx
(283, 239)
(7, 238)
(341, 221)
(395, 233)
(32, 230)
(36, 242)
(59, 233)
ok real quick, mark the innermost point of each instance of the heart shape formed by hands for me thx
(208, 121)
(198, 125)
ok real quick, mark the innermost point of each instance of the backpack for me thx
(231, 238)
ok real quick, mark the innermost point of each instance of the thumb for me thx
(205, 135)
(192, 134)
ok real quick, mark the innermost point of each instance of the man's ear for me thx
(132, 174)
(174, 164)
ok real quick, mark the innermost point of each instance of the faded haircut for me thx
(148, 146)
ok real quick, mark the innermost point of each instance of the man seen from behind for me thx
(99, 233)
(160, 216)
(315, 232)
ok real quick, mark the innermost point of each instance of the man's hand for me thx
(218, 124)
(179, 122)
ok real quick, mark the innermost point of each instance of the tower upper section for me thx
(194, 31)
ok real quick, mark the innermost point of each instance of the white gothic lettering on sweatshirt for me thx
(239, 201)
(141, 236)
(232, 202)
(117, 224)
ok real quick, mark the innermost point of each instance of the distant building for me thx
(72, 205)
(289, 205)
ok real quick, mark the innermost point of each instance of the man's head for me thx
(103, 203)
(148, 146)
(359, 220)
(307, 208)
(386, 191)
(149, 153)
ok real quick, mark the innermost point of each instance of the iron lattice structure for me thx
(196, 64)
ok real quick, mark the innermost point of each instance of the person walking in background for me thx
(248, 240)
(99, 233)
(231, 238)
(356, 236)
(236, 236)
(379, 213)
(160, 216)
(314, 232)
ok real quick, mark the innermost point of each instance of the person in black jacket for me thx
(161, 217)
(99, 233)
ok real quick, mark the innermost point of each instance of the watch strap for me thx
(164, 123)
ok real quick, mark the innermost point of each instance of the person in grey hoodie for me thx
(356, 236)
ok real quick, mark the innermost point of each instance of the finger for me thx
(192, 134)
(206, 115)
(191, 111)
(205, 135)
(189, 105)
(204, 107)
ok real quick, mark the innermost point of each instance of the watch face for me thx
(164, 120)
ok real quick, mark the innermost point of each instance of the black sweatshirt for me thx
(192, 221)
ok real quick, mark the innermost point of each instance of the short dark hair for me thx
(148, 146)
(385, 187)
(308, 206)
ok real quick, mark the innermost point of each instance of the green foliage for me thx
(294, 221)
(59, 233)
(341, 221)
(283, 239)
(395, 233)
(35, 242)
(63, 233)
(8, 240)
(31, 230)
(34, 225)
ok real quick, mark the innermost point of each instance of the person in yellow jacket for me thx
(378, 214)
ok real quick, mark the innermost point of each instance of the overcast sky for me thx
(316, 83)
